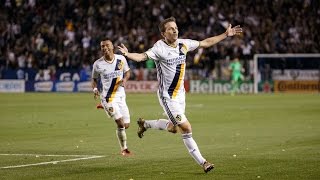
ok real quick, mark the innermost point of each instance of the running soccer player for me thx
(114, 72)
(169, 55)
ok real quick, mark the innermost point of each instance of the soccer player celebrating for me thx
(236, 75)
(114, 72)
(169, 55)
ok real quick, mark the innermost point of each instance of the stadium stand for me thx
(62, 36)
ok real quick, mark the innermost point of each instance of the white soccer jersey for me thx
(171, 65)
(111, 74)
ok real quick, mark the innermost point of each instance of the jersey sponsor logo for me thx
(112, 75)
(116, 73)
(174, 61)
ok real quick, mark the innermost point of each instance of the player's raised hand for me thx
(237, 30)
(123, 49)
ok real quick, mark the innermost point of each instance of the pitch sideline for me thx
(81, 157)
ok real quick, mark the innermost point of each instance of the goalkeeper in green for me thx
(236, 75)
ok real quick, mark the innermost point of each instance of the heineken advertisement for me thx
(218, 87)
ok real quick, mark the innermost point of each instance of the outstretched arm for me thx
(133, 56)
(215, 39)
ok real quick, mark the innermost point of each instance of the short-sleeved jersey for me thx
(171, 64)
(111, 73)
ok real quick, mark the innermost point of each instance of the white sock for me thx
(122, 138)
(161, 124)
(193, 148)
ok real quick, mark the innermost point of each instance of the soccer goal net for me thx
(286, 73)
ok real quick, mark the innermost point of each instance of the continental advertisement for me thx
(296, 86)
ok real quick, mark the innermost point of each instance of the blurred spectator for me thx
(151, 71)
(37, 34)
(85, 72)
(42, 75)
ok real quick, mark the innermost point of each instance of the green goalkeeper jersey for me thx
(235, 68)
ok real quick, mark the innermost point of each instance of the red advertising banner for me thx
(141, 86)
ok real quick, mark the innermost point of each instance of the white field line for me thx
(48, 155)
(195, 105)
(49, 162)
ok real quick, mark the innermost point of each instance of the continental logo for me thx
(296, 86)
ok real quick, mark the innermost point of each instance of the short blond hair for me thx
(164, 22)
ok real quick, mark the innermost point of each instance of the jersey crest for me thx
(119, 65)
(182, 49)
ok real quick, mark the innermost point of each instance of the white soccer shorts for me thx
(117, 108)
(174, 108)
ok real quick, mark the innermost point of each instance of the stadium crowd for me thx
(42, 40)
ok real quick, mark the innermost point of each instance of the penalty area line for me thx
(52, 162)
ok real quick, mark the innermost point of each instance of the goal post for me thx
(286, 73)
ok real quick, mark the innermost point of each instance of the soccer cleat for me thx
(126, 152)
(207, 166)
(141, 128)
(99, 106)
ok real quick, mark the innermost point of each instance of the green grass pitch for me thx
(246, 137)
